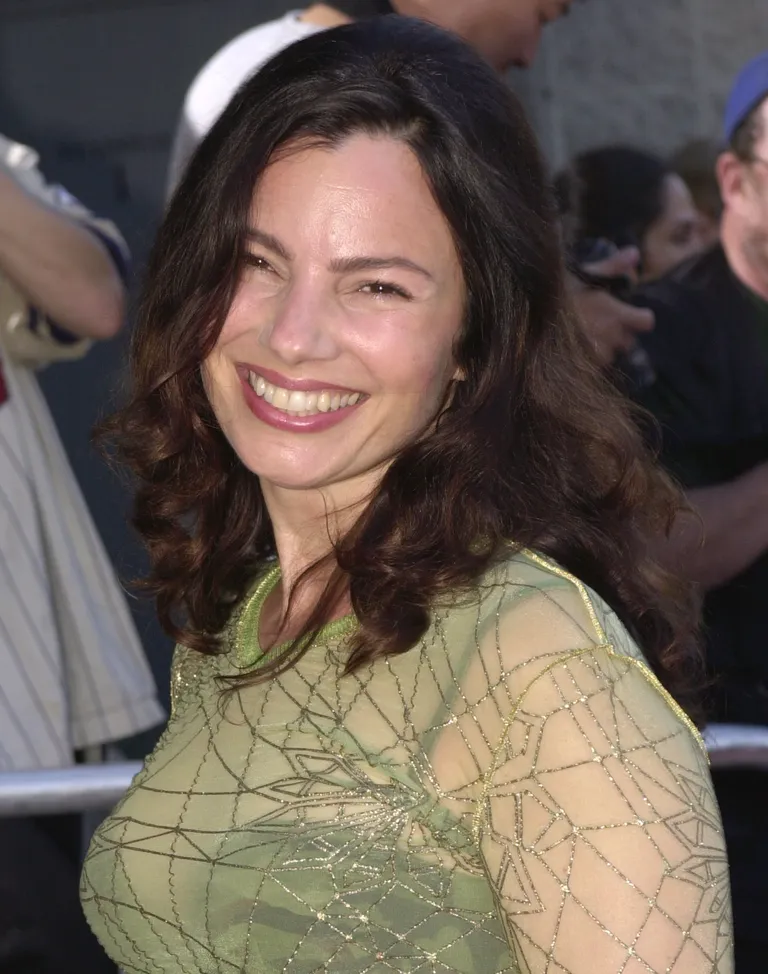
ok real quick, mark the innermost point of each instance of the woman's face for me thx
(675, 235)
(338, 348)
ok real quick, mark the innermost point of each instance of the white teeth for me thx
(281, 398)
(301, 403)
(297, 402)
(324, 402)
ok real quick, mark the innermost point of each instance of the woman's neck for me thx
(307, 524)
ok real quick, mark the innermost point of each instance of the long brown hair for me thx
(535, 449)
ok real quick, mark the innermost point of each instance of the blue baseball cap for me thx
(749, 89)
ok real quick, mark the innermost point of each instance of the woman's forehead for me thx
(366, 190)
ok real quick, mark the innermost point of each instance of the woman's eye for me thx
(383, 289)
(257, 262)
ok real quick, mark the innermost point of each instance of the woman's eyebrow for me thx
(351, 264)
(338, 264)
(257, 236)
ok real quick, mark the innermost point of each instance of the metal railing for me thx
(737, 746)
(77, 789)
(87, 787)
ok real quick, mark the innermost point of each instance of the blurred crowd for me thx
(668, 266)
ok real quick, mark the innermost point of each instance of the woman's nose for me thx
(303, 326)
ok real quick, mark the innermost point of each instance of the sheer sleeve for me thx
(597, 823)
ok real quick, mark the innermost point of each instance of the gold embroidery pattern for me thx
(516, 794)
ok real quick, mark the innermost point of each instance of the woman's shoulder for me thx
(524, 582)
(539, 611)
(530, 613)
(543, 627)
(526, 570)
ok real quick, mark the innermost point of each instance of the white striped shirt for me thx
(73, 670)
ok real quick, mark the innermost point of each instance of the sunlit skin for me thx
(505, 32)
(676, 234)
(352, 281)
(532, 17)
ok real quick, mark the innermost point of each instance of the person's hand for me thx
(623, 262)
(611, 325)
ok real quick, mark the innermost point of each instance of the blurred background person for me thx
(630, 198)
(626, 217)
(709, 353)
(73, 671)
(505, 32)
(696, 162)
(600, 282)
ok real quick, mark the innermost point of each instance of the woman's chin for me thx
(289, 476)
(348, 479)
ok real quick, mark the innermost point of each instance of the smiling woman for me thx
(344, 322)
(432, 703)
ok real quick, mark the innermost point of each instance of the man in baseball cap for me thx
(743, 174)
(709, 352)
(747, 95)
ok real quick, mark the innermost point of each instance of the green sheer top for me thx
(516, 794)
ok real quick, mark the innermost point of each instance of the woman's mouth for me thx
(298, 403)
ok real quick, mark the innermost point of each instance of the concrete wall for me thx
(651, 72)
(96, 86)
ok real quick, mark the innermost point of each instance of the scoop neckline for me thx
(247, 646)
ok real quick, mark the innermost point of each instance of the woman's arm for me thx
(598, 824)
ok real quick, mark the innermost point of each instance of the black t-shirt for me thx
(709, 350)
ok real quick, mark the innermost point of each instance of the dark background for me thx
(96, 88)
